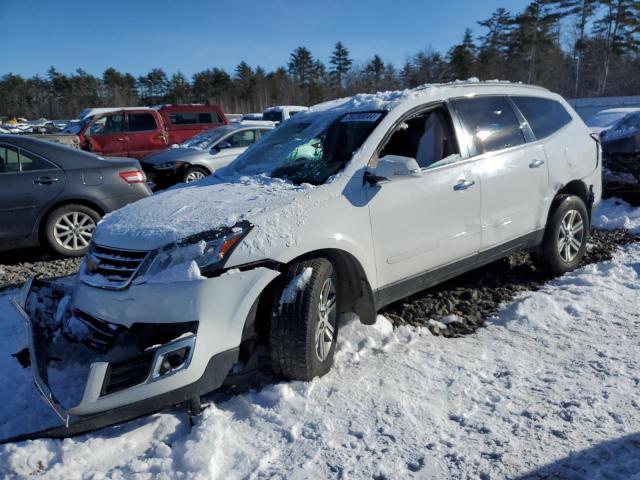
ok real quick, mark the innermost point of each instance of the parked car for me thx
(619, 132)
(411, 188)
(137, 132)
(251, 116)
(282, 112)
(606, 119)
(203, 154)
(55, 195)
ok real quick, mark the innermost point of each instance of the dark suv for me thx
(56, 195)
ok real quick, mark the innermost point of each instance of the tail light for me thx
(133, 176)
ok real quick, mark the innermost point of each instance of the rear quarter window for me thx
(545, 116)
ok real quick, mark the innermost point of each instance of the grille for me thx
(96, 334)
(127, 373)
(111, 268)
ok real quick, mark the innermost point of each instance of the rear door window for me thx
(9, 162)
(141, 122)
(545, 116)
(30, 163)
(491, 122)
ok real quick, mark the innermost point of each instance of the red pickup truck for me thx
(138, 131)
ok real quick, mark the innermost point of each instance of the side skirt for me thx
(405, 288)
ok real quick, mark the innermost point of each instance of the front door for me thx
(513, 172)
(27, 183)
(422, 223)
(107, 135)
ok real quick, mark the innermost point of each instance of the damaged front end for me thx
(118, 359)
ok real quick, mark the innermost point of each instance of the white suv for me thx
(345, 208)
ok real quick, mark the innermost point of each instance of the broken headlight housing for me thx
(209, 250)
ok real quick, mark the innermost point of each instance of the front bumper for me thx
(219, 305)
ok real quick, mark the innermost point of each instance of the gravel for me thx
(457, 307)
(461, 305)
(17, 266)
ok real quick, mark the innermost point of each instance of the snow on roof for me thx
(282, 108)
(390, 99)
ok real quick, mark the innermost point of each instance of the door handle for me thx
(536, 163)
(463, 185)
(120, 139)
(45, 180)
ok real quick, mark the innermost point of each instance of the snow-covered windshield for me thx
(309, 148)
(273, 116)
(208, 138)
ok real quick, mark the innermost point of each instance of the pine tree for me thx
(462, 58)
(341, 63)
(375, 69)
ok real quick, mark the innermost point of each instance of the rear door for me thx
(145, 133)
(28, 183)
(513, 172)
(107, 135)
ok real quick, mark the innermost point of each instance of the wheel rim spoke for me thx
(74, 230)
(325, 329)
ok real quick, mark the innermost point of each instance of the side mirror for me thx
(393, 168)
(223, 145)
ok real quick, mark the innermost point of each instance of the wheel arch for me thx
(577, 188)
(355, 293)
(42, 221)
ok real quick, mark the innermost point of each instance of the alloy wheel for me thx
(73, 230)
(193, 176)
(326, 320)
(570, 236)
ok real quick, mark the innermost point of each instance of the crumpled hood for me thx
(173, 154)
(211, 203)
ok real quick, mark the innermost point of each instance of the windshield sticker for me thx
(361, 117)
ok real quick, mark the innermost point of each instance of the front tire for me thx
(68, 229)
(304, 321)
(193, 174)
(565, 237)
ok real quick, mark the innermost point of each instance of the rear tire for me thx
(304, 321)
(193, 174)
(565, 237)
(68, 229)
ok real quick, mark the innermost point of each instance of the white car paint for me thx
(414, 222)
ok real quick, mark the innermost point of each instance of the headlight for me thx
(172, 165)
(209, 250)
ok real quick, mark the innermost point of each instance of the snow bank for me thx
(550, 386)
(555, 373)
(615, 213)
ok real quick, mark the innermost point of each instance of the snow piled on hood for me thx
(212, 203)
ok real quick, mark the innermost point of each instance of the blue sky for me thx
(189, 36)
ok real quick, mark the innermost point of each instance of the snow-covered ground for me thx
(550, 388)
